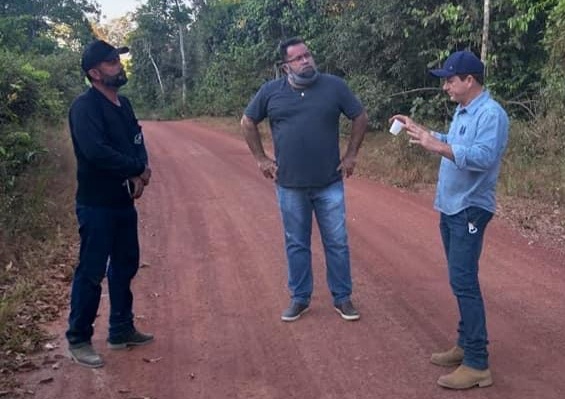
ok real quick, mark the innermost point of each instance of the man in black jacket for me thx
(112, 171)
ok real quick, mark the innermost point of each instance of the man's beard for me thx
(118, 80)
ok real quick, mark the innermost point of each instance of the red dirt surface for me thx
(214, 285)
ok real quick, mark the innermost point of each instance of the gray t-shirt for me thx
(305, 127)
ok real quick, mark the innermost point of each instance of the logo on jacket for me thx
(138, 138)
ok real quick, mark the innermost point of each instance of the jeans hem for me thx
(301, 301)
(476, 366)
(342, 301)
(77, 345)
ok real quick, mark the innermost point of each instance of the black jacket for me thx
(109, 148)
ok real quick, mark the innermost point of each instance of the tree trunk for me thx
(147, 49)
(486, 23)
(183, 63)
(180, 26)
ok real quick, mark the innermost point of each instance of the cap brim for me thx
(442, 73)
(116, 53)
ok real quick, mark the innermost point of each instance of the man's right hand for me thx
(138, 186)
(268, 167)
(146, 175)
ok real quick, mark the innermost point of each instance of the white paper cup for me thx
(396, 127)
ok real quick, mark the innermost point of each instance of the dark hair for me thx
(285, 44)
(479, 78)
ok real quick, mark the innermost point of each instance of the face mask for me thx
(303, 79)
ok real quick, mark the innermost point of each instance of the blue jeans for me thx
(108, 245)
(462, 235)
(328, 204)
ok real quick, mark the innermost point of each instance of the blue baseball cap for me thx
(99, 51)
(460, 63)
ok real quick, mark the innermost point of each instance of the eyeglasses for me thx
(305, 56)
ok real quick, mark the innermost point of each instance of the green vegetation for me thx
(208, 57)
(383, 49)
(38, 79)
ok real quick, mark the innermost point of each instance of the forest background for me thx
(208, 57)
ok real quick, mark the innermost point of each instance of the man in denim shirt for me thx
(471, 156)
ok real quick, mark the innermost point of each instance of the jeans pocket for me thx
(477, 218)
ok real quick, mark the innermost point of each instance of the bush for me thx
(26, 91)
(30, 91)
(534, 165)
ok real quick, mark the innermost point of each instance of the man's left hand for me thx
(138, 186)
(424, 137)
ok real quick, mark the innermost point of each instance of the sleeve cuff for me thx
(458, 155)
(440, 136)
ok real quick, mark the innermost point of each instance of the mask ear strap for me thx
(281, 66)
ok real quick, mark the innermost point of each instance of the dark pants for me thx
(462, 236)
(108, 244)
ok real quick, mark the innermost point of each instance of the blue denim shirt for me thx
(478, 136)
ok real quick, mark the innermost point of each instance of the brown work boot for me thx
(465, 377)
(452, 357)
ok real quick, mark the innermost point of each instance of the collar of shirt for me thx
(474, 105)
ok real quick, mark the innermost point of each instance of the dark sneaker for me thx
(294, 311)
(136, 338)
(347, 311)
(85, 355)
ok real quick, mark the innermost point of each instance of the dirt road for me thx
(215, 285)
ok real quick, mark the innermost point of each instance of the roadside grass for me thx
(534, 166)
(35, 265)
(394, 161)
(531, 188)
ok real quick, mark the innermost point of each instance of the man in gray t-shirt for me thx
(303, 109)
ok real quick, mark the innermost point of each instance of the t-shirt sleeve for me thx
(257, 107)
(349, 103)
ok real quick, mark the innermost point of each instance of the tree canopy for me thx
(383, 48)
(210, 56)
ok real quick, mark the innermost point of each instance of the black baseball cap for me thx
(460, 63)
(99, 51)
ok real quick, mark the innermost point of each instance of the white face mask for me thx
(303, 79)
